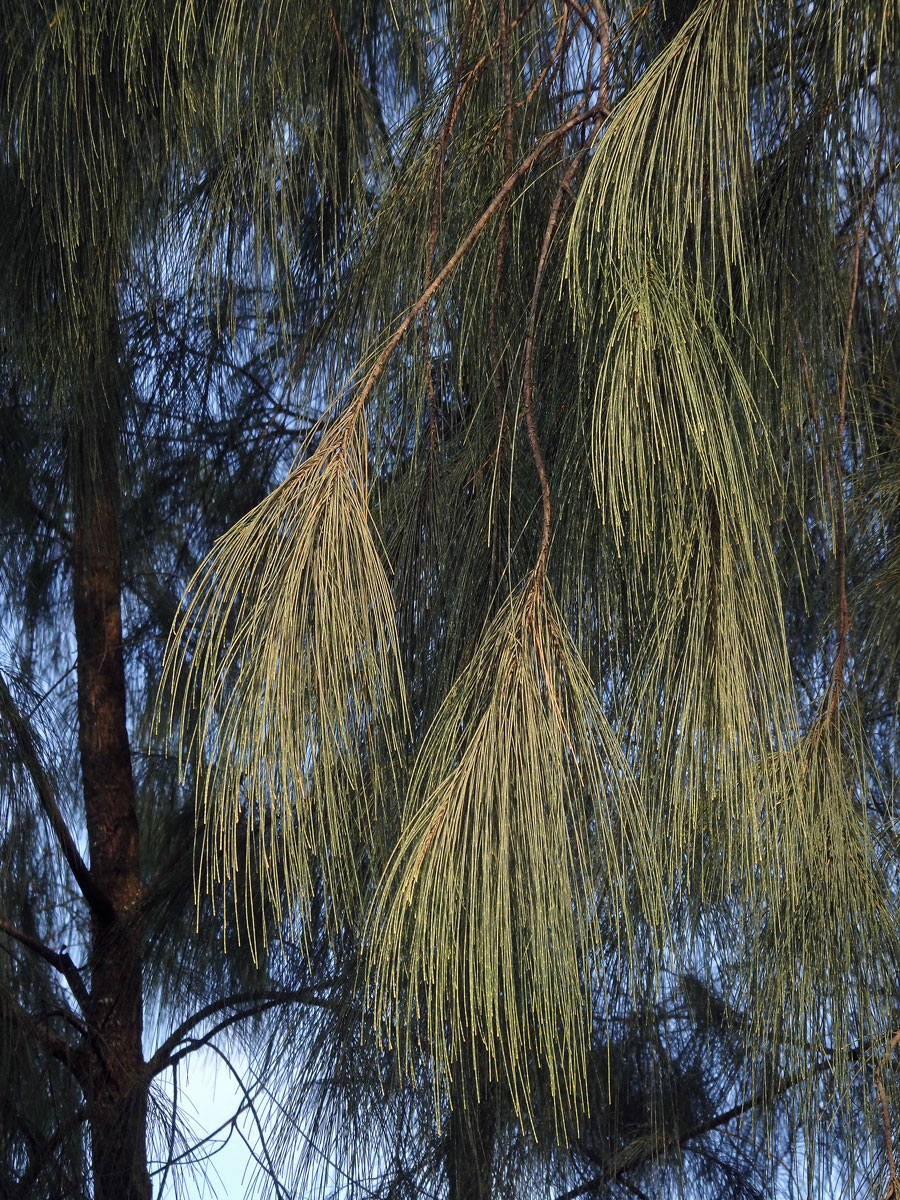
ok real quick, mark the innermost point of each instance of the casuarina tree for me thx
(535, 710)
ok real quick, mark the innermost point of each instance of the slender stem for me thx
(840, 551)
(344, 432)
(499, 384)
(242, 1000)
(600, 112)
(57, 1047)
(441, 155)
(558, 53)
(499, 262)
(840, 532)
(635, 1155)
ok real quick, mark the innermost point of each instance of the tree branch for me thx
(57, 1047)
(459, 91)
(577, 117)
(253, 1002)
(628, 1161)
(59, 960)
(25, 738)
(600, 112)
(43, 1150)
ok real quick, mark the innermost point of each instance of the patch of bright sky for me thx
(218, 1162)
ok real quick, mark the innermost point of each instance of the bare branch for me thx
(57, 959)
(600, 112)
(249, 1003)
(57, 1047)
(27, 743)
(551, 139)
(629, 1161)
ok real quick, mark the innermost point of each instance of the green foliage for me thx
(307, 716)
(548, 695)
(719, 408)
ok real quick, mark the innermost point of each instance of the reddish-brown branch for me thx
(458, 90)
(840, 551)
(344, 433)
(556, 57)
(25, 738)
(605, 57)
(840, 532)
(508, 153)
(600, 113)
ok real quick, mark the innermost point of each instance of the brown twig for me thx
(508, 150)
(459, 90)
(644, 1150)
(600, 113)
(556, 56)
(892, 1193)
(840, 550)
(528, 371)
(57, 959)
(499, 264)
(605, 57)
(840, 531)
(56, 1047)
(339, 443)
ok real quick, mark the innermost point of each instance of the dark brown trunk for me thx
(469, 1145)
(115, 1082)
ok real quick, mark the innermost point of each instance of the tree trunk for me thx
(469, 1144)
(115, 1081)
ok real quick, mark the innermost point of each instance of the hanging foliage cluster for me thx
(565, 652)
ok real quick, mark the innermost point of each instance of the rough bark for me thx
(115, 1080)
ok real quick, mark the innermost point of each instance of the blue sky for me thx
(208, 1099)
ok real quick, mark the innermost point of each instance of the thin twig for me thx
(840, 550)
(242, 1001)
(504, 213)
(556, 56)
(840, 531)
(458, 91)
(632, 1159)
(268, 1166)
(600, 112)
(57, 1047)
(342, 436)
(499, 264)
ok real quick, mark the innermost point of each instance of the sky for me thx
(208, 1099)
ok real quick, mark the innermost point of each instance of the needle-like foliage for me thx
(551, 690)
(302, 692)
(519, 816)
(612, 253)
